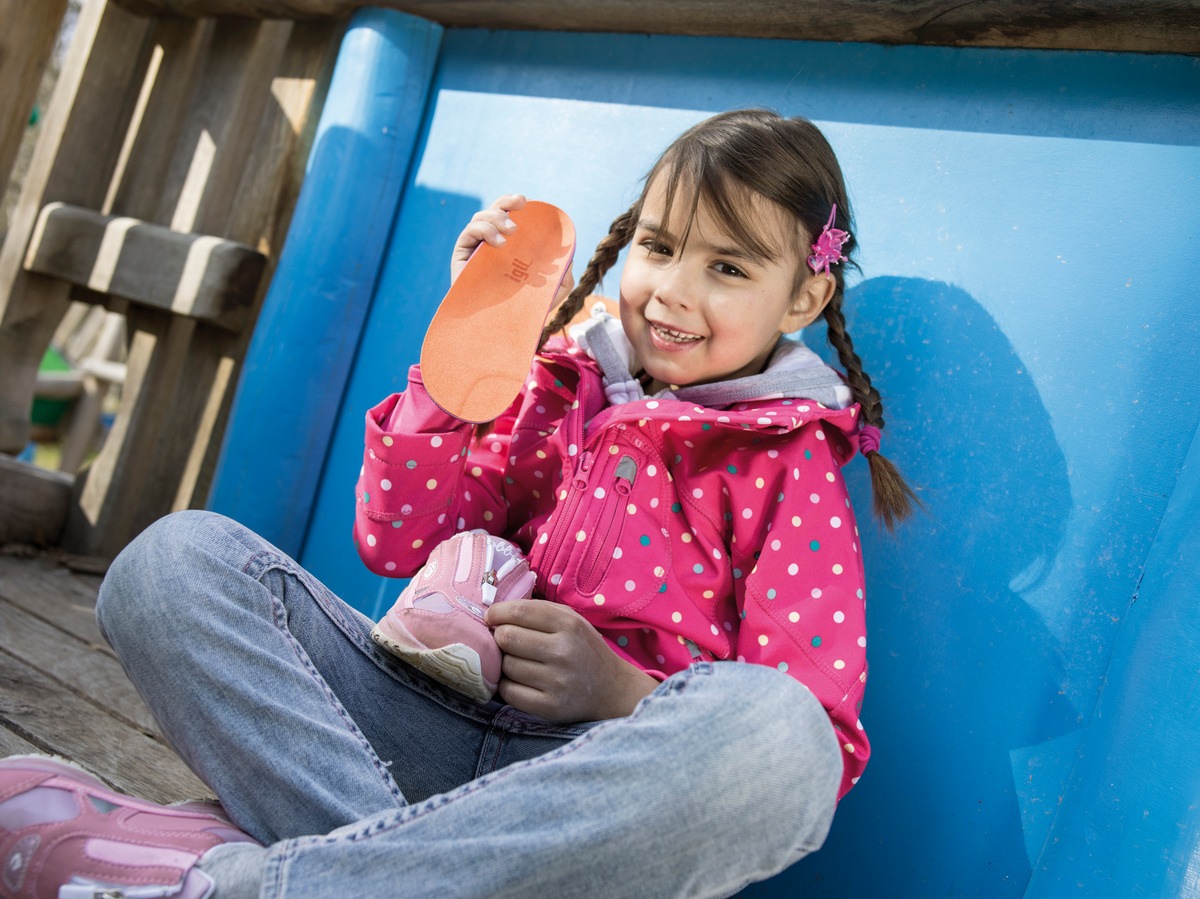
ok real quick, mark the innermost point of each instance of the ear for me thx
(810, 301)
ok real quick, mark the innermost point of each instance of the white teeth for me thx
(675, 336)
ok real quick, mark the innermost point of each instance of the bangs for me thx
(757, 224)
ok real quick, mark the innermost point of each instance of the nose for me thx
(673, 288)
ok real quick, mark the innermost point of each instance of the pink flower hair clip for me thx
(827, 250)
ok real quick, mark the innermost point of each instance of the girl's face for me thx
(710, 309)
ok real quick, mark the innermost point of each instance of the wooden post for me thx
(76, 153)
(26, 42)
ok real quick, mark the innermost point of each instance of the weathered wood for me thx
(64, 723)
(12, 744)
(78, 148)
(55, 594)
(141, 185)
(1167, 26)
(34, 503)
(26, 41)
(206, 278)
(63, 691)
(88, 668)
(193, 126)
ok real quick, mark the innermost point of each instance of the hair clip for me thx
(827, 250)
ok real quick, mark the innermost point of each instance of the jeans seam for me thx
(274, 563)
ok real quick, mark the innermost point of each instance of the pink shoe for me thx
(437, 623)
(64, 835)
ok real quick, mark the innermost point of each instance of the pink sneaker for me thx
(65, 835)
(437, 623)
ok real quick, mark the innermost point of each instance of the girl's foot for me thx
(65, 835)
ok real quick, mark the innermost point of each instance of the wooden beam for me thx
(35, 503)
(205, 278)
(1147, 26)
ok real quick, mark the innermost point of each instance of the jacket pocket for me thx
(607, 533)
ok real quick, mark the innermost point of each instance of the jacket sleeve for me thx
(419, 483)
(802, 597)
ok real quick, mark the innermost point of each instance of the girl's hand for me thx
(486, 226)
(557, 666)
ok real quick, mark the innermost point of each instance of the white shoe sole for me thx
(457, 665)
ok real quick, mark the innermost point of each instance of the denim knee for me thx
(143, 583)
(781, 761)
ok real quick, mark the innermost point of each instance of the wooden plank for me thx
(13, 744)
(227, 110)
(164, 106)
(206, 278)
(274, 169)
(41, 711)
(26, 42)
(1166, 26)
(55, 594)
(80, 142)
(34, 502)
(88, 670)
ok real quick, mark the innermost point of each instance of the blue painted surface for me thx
(1130, 823)
(299, 358)
(1027, 222)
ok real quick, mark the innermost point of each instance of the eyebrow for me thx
(732, 251)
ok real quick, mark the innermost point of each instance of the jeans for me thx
(366, 778)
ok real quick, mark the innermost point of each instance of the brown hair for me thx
(726, 160)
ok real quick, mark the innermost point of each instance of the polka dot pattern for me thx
(734, 539)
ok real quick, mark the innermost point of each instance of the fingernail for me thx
(500, 238)
(509, 223)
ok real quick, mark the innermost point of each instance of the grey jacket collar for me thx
(793, 372)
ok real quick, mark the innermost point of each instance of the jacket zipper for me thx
(623, 479)
(566, 519)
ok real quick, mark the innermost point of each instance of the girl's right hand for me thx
(486, 226)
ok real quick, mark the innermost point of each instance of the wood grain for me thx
(62, 691)
(34, 502)
(207, 278)
(1148, 26)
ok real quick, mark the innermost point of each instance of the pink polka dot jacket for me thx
(709, 522)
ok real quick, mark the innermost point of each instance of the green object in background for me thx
(34, 115)
(50, 412)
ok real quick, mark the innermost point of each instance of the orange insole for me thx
(482, 339)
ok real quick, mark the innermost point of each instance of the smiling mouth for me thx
(672, 336)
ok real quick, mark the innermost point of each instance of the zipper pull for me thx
(625, 474)
(488, 588)
(581, 470)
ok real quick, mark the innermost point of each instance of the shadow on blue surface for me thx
(964, 672)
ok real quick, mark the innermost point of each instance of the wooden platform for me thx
(62, 690)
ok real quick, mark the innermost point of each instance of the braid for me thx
(894, 498)
(607, 251)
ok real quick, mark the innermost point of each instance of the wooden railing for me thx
(172, 154)
(162, 186)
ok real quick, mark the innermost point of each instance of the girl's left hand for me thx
(557, 666)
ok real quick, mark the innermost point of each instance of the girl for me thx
(674, 478)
